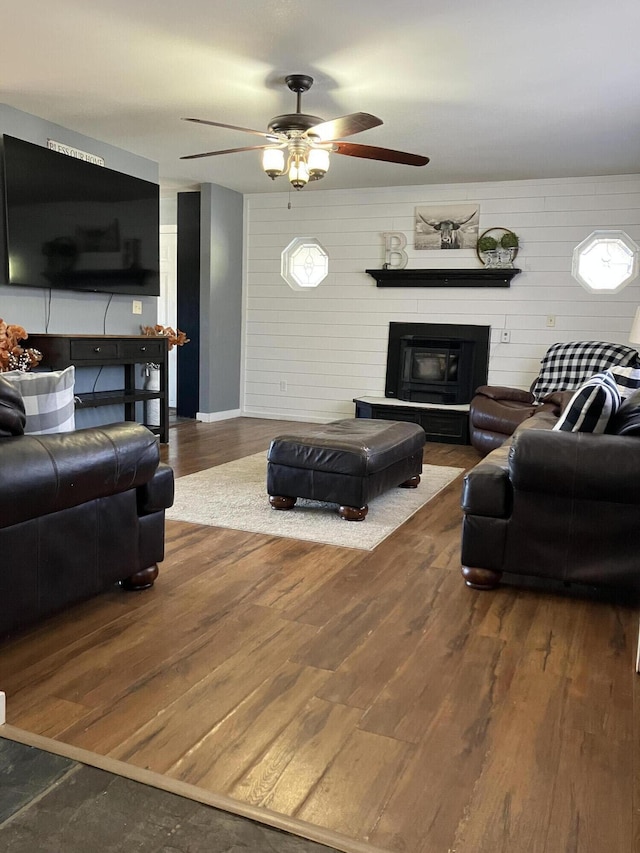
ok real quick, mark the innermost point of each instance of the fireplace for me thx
(439, 363)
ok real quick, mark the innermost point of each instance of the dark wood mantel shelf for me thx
(444, 278)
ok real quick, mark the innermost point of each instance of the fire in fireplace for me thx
(436, 362)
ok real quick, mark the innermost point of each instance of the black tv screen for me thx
(76, 225)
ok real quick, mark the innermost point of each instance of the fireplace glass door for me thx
(426, 365)
(432, 371)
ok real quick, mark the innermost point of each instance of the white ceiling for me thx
(493, 90)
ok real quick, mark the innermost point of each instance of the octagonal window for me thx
(304, 263)
(605, 262)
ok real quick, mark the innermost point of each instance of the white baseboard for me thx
(292, 416)
(3, 709)
(212, 417)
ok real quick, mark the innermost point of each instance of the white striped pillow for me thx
(48, 397)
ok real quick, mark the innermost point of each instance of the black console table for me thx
(60, 351)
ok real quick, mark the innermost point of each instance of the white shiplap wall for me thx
(329, 344)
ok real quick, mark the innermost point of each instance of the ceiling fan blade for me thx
(371, 152)
(226, 151)
(274, 137)
(344, 126)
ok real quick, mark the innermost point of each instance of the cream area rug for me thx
(235, 495)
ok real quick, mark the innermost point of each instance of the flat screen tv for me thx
(76, 225)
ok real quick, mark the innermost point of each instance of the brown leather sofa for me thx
(558, 505)
(496, 411)
(79, 512)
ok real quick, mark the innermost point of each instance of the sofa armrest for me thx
(158, 493)
(499, 392)
(12, 414)
(594, 467)
(486, 491)
(47, 473)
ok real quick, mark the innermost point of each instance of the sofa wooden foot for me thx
(282, 502)
(353, 513)
(142, 579)
(480, 578)
(411, 483)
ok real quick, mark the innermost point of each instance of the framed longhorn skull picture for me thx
(447, 226)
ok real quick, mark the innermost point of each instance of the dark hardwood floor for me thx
(370, 693)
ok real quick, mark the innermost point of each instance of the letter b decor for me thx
(395, 256)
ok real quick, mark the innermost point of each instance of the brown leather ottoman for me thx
(346, 462)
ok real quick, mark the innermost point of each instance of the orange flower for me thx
(12, 354)
(176, 337)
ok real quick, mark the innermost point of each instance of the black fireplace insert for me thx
(440, 363)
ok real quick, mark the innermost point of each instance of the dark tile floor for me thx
(50, 804)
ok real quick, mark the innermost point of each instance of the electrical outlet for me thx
(283, 384)
(551, 321)
(505, 336)
(137, 307)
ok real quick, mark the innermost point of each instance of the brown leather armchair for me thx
(495, 412)
(79, 512)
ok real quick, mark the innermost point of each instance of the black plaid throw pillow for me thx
(566, 365)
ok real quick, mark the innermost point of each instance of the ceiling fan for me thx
(299, 145)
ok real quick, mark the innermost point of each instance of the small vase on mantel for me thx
(491, 259)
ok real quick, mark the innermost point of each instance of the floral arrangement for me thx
(13, 356)
(176, 337)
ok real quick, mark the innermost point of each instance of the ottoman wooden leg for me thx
(353, 513)
(282, 502)
(411, 483)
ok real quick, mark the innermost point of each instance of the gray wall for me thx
(86, 313)
(220, 298)
(71, 312)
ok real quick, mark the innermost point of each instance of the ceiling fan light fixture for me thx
(318, 163)
(301, 163)
(298, 172)
(299, 145)
(273, 162)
